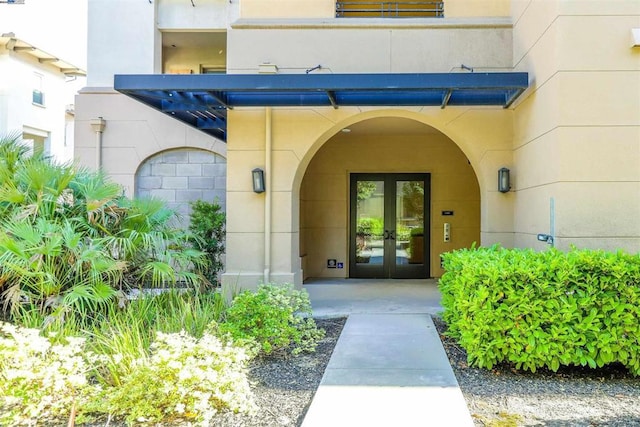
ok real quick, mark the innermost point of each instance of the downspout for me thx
(268, 197)
(98, 127)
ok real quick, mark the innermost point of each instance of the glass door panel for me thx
(409, 227)
(370, 222)
(369, 239)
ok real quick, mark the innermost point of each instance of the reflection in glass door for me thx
(389, 226)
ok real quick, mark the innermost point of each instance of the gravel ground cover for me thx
(283, 388)
(573, 396)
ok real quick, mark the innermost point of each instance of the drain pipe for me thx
(268, 197)
(98, 127)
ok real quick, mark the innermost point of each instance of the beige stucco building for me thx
(380, 133)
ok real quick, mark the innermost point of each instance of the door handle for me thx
(385, 235)
(389, 235)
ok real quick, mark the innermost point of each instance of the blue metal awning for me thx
(202, 100)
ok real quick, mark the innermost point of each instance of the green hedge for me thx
(543, 309)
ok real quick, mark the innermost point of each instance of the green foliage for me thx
(275, 319)
(503, 419)
(365, 190)
(208, 230)
(413, 199)
(370, 226)
(185, 379)
(544, 309)
(70, 242)
(418, 231)
(124, 335)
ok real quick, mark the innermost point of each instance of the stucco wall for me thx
(354, 46)
(133, 47)
(133, 133)
(182, 15)
(577, 130)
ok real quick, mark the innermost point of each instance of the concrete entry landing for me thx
(341, 297)
(389, 367)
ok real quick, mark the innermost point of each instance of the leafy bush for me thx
(370, 226)
(207, 228)
(185, 379)
(69, 240)
(544, 309)
(41, 382)
(418, 231)
(273, 319)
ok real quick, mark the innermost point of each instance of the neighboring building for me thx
(380, 132)
(41, 71)
(37, 91)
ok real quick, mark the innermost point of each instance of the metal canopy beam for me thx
(182, 96)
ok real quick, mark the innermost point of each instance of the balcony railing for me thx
(389, 9)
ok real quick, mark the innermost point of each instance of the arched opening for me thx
(396, 159)
(181, 176)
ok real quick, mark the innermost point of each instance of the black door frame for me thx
(389, 269)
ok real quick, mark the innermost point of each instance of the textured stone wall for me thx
(182, 176)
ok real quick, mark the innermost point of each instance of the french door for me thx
(389, 225)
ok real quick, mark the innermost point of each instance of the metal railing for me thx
(390, 9)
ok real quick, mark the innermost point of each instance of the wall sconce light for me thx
(547, 238)
(504, 180)
(258, 180)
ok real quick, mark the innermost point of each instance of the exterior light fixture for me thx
(258, 180)
(547, 238)
(504, 180)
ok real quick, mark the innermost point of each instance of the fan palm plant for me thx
(70, 241)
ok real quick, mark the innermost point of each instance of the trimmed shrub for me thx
(544, 309)
(274, 319)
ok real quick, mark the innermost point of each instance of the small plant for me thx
(208, 230)
(42, 382)
(503, 419)
(275, 319)
(185, 379)
(370, 226)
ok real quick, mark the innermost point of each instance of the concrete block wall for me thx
(182, 176)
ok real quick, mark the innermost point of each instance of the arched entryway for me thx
(386, 182)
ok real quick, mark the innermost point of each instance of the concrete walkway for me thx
(389, 367)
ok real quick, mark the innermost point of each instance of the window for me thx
(212, 69)
(389, 9)
(37, 96)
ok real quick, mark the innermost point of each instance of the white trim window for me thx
(37, 95)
